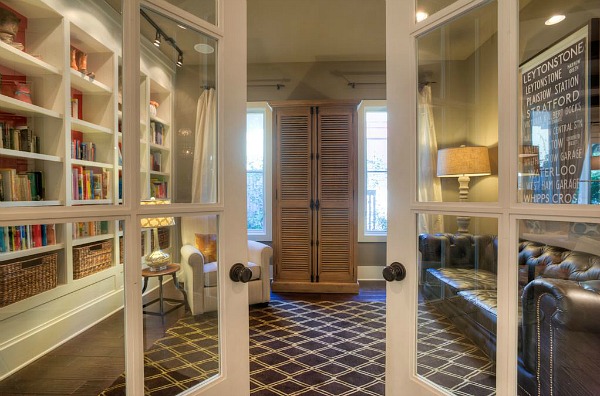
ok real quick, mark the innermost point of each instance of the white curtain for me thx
(204, 172)
(429, 185)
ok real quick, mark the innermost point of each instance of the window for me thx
(373, 171)
(258, 171)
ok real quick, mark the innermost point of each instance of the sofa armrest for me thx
(561, 335)
(575, 305)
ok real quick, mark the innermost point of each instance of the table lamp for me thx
(157, 260)
(463, 162)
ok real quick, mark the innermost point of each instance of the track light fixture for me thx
(161, 35)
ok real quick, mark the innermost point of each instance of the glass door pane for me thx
(457, 117)
(180, 294)
(178, 139)
(204, 9)
(457, 316)
(559, 139)
(61, 307)
(559, 279)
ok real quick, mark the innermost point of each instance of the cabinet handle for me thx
(240, 273)
(394, 272)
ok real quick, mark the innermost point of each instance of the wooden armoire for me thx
(314, 196)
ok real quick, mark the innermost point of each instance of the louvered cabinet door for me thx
(293, 221)
(336, 174)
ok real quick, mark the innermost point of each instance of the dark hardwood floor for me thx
(90, 362)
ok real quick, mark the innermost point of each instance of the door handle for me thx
(394, 272)
(240, 273)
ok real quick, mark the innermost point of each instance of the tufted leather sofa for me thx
(559, 314)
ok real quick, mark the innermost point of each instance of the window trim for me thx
(365, 105)
(263, 107)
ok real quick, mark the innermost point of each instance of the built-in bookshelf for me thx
(61, 145)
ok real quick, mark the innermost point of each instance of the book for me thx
(3, 248)
(36, 230)
(50, 234)
(8, 183)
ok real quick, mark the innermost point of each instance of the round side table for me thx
(170, 270)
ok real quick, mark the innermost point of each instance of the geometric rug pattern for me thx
(186, 356)
(325, 348)
(449, 359)
(317, 348)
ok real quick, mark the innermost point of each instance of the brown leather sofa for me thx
(559, 315)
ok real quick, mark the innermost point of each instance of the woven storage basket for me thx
(91, 258)
(121, 250)
(27, 277)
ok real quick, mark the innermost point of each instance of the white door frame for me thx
(231, 206)
(401, 32)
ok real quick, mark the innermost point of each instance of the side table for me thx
(170, 270)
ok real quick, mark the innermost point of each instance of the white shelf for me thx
(154, 146)
(28, 252)
(155, 173)
(95, 238)
(88, 127)
(91, 163)
(157, 119)
(15, 204)
(12, 105)
(25, 63)
(91, 201)
(28, 155)
(88, 85)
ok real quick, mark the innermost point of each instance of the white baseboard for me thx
(370, 273)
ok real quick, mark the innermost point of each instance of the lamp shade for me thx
(463, 161)
(156, 222)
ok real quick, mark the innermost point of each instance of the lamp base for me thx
(157, 267)
(463, 224)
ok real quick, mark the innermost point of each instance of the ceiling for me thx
(354, 30)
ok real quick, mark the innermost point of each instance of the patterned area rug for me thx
(300, 348)
(449, 359)
(186, 356)
(317, 348)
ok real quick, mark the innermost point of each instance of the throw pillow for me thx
(207, 245)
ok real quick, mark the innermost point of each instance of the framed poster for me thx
(554, 141)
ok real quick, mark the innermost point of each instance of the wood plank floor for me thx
(90, 362)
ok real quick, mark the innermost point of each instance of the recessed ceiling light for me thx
(204, 48)
(554, 19)
(421, 16)
(181, 27)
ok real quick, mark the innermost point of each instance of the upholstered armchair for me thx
(199, 266)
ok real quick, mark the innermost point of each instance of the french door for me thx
(477, 177)
(205, 89)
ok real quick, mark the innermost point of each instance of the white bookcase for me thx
(93, 28)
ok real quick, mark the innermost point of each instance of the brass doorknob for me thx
(394, 272)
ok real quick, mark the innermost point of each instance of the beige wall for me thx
(317, 80)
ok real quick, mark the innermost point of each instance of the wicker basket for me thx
(91, 258)
(27, 277)
(121, 251)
